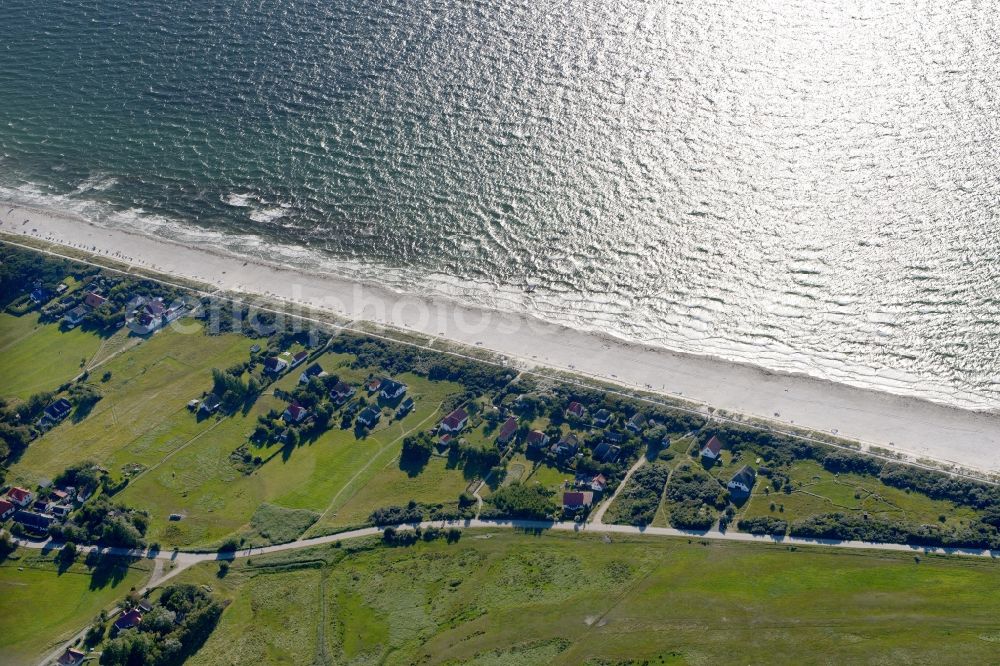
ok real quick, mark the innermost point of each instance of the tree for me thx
(67, 555)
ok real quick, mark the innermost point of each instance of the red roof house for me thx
(71, 657)
(508, 430)
(20, 496)
(455, 421)
(599, 483)
(6, 508)
(94, 300)
(713, 449)
(295, 413)
(537, 439)
(575, 409)
(577, 499)
(128, 619)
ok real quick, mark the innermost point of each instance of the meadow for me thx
(42, 605)
(814, 491)
(507, 598)
(40, 357)
(181, 464)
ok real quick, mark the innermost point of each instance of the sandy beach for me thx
(910, 426)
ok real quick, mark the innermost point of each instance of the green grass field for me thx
(505, 598)
(200, 481)
(817, 491)
(142, 416)
(40, 607)
(39, 358)
(183, 464)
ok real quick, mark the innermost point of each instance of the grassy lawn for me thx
(40, 357)
(541, 472)
(217, 499)
(142, 416)
(817, 491)
(570, 599)
(435, 483)
(40, 607)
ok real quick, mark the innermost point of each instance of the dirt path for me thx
(597, 517)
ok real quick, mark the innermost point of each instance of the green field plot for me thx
(541, 472)
(142, 415)
(563, 599)
(40, 357)
(40, 607)
(435, 483)
(202, 483)
(817, 491)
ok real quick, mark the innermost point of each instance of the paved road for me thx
(184, 559)
(181, 560)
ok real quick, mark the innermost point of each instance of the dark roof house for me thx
(71, 657)
(314, 370)
(37, 521)
(76, 315)
(602, 417)
(369, 417)
(40, 295)
(390, 389)
(210, 403)
(405, 407)
(342, 391)
(58, 410)
(742, 482)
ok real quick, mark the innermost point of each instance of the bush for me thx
(397, 515)
(172, 632)
(520, 501)
(941, 486)
(691, 516)
(763, 525)
(230, 545)
(638, 501)
(690, 485)
(841, 461)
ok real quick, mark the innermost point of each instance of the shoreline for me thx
(914, 427)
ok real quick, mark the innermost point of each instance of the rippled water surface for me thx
(808, 185)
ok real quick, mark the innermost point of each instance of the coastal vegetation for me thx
(215, 436)
(559, 598)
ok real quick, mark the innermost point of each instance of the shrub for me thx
(763, 525)
(520, 501)
(638, 501)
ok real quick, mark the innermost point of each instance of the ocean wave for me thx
(693, 334)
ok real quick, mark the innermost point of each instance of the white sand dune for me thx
(917, 428)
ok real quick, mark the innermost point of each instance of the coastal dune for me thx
(910, 426)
